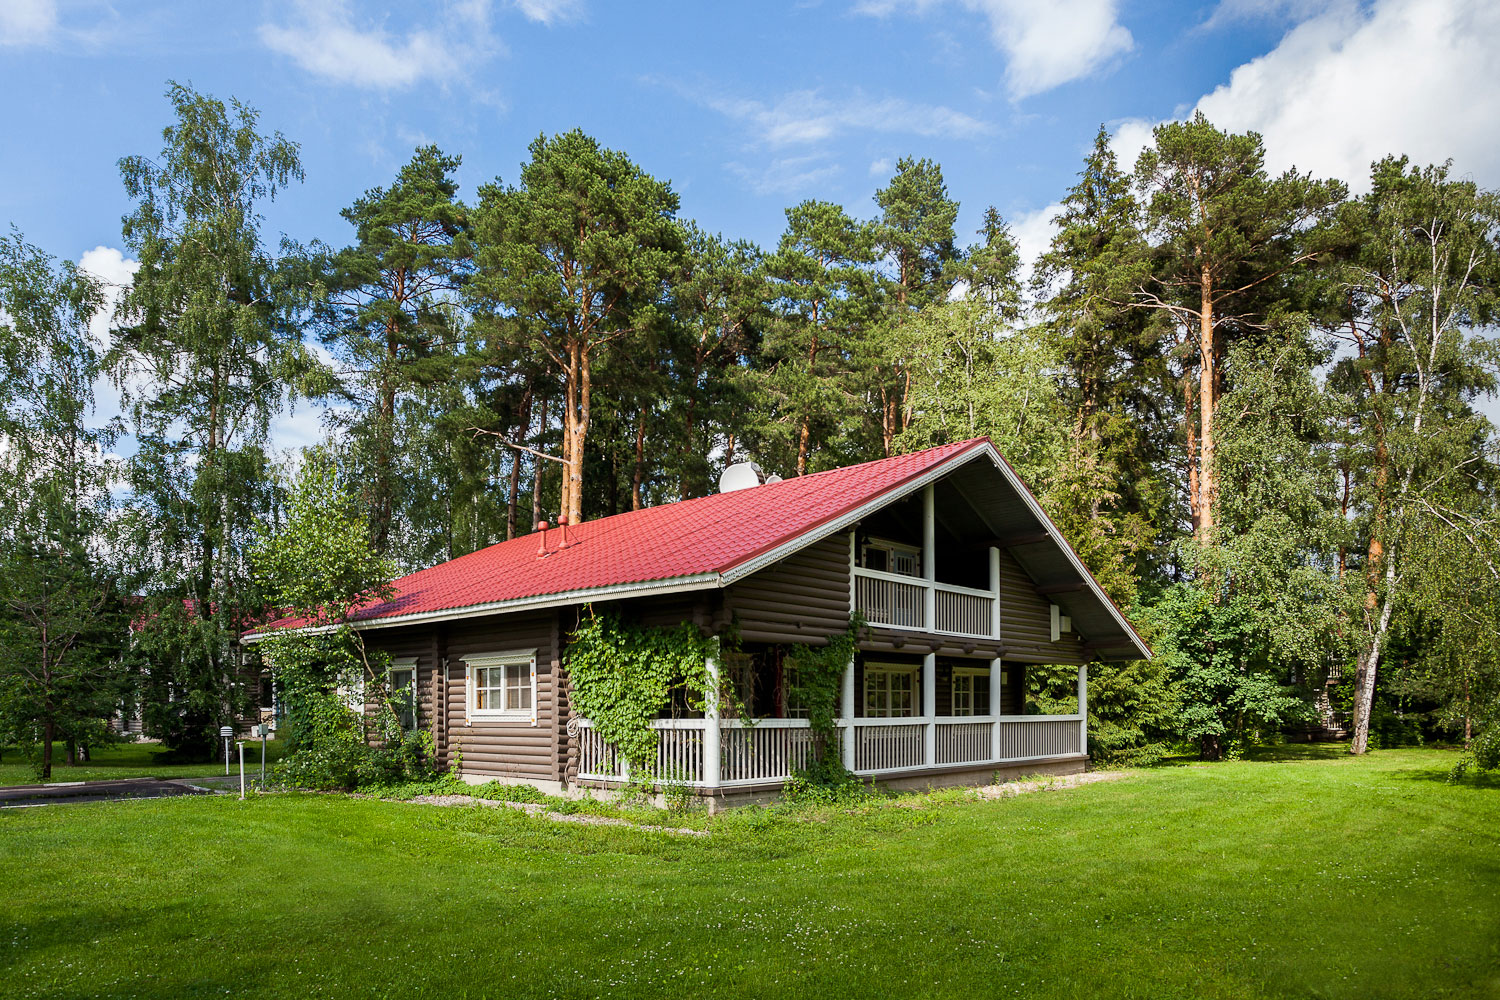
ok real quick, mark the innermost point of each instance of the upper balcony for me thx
(896, 559)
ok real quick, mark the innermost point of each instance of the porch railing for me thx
(897, 601)
(770, 750)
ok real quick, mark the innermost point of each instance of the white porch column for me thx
(995, 593)
(995, 666)
(846, 712)
(929, 557)
(1083, 708)
(711, 742)
(929, 709)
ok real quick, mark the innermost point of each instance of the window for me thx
(502, 686)
(892, 557)
(402, 683)
(971, 692)
(793, 703)
(890, 691)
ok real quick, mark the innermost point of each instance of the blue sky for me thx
(746, 108)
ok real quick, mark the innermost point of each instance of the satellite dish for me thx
(772, 478)
(741, 476)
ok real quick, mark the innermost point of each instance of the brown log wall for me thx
(804, 598)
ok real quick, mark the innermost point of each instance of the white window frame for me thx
(911, 670)
(967, 674)
(405, 665)
(504, 658)
(890, 549)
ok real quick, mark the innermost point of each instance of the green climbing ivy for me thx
(624, 675)
(820, 674)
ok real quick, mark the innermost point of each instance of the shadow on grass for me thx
(1282, 752)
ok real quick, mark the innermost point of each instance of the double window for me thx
(890, 691)
(892, 557)
(502, 686)
(971, 692)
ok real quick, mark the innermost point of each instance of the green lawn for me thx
(125, 760)
(1317, 877)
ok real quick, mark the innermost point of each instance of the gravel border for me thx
(536, 809)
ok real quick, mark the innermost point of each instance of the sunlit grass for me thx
(127, 760)
(1321, 877)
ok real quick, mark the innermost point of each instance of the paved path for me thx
(19, 796)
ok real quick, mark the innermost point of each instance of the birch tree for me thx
(205, 355)
(1421, 277)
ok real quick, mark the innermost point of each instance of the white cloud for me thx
(116, 271)
(881, 167)
(806, 116)
(787, 175)
(27, 22)
(1351, 85)
(1131, 137)
(325, 40)
(1052, 43)
(1033, 232)
(1046, 43)
(550, 12)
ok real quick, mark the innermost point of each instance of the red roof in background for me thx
(711, 534)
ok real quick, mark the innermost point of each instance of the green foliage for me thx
(320, 566)
(625, 675)
(1216, 653)
(205, 350)
(820, 673)
(386, 307)
(1133, 710)
(63, 629)
(1483, 753)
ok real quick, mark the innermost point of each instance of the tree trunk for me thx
(537, 466)
(1369, 663)
(580, 433)
(1207, 485)
(639, 474)
(1190, 427)
(523, 421)
(49, 732)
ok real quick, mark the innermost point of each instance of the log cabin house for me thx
(962, 579)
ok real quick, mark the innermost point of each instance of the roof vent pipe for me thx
(541, 548)
(562, 524)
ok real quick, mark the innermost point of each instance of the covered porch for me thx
(879, 736)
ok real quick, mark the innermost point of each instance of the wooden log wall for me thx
(804, 598)
(1026, 621)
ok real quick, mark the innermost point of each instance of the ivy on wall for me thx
(820, 675)
(624, 675)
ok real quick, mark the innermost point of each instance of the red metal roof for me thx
(706, 535)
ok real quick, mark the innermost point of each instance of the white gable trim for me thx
(1062, 543)
(864, 510)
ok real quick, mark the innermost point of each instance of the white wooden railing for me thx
(963, 741)
(888, 599)
(770, 750)
(897, 601)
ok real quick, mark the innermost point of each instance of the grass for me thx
(125, 760)
(1321, 877)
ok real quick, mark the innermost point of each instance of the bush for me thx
(1483, 753)
(334, 752)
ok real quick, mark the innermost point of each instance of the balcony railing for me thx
(769, 751)
(897, 601)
